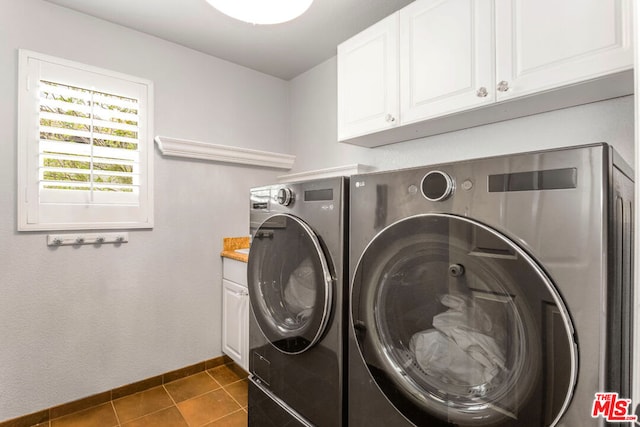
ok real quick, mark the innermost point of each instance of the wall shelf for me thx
(346, 170)
(222, 153)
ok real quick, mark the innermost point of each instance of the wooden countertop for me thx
(231, 244)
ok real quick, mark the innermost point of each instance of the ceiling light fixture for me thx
(262, 11)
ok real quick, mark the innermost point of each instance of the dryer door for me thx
(459, 326)
(290, 283)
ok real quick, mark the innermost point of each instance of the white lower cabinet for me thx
(235, 312)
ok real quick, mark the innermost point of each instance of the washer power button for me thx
(437, 186)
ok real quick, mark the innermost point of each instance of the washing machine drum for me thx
(290, 283)
(458, 325)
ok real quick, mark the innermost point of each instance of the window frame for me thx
(35, 215)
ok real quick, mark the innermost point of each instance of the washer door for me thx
(290, 284)
(458, 325)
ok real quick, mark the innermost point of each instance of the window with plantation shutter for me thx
(88, 142)
(85, 147)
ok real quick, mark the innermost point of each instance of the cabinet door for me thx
(446, 57)
(544, 44)
(368, 80)
(235, 303)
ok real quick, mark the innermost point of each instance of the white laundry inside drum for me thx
(462, 349)
(300, 292)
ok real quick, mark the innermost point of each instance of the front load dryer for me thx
(491, 292)
(296, 289)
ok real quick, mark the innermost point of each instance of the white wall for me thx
(314, 130)
(77, 321)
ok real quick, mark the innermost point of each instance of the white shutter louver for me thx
(88, 143)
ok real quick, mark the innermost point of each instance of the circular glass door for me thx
(290, 285)
(458, 326)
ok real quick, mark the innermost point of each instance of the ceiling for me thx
(283, 50)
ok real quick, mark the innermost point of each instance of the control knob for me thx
(437, 186)
(284, 196)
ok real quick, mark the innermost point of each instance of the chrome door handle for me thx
(482, 92)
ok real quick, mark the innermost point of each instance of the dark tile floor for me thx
(213, 398)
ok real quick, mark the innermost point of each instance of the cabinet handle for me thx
(389, 118)
(503, 86)
(482, 92)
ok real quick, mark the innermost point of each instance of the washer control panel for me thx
(437, 186)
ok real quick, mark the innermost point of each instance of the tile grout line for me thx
(170, 396)
(239, 410)
(51, 420)
(113, 406)
(224, 387)
(219, 418)
(151, 413)
(197, 395)
(193, 397)
(233, 382)
(213, 378)
(209, 373)
(234, 399)
(142, 416)
(221, 387)
(175, 404)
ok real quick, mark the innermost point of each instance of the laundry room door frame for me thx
(636, 263)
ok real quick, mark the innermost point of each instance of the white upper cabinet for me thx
(442, 65)
(446, 57)
(368, 80)
(544, 44)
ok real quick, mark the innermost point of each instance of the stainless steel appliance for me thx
(295, 274)
(491, 292)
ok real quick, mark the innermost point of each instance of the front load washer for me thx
(491, 292)
(297, 335)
